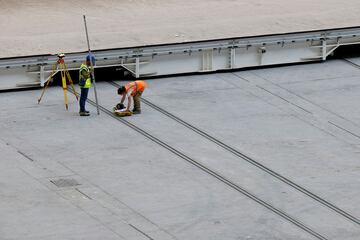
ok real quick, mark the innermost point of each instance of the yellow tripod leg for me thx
(48, 81)
(63, 78)
(71, 83)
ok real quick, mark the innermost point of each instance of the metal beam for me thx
(201, 56)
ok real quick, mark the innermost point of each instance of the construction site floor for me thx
(179, 175)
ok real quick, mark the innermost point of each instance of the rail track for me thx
(213, 173)
(251, 160)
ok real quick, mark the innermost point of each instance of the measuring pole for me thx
(92, 67)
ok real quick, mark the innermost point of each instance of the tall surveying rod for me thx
(60, 66)
(92, 67)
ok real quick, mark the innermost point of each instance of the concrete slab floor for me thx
(300, 121)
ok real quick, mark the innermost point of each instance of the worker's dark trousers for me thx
(137, 99)
(83, 97)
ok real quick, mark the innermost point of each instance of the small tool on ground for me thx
(120, 110)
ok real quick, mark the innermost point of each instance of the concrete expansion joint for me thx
(318, 115)
(105, 188)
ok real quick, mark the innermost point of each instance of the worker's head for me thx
(121, 90)
(91, 58)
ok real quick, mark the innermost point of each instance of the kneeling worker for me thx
(133, 90)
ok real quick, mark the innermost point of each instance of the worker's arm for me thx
(90, 73)
(123, 98)
(85, 74)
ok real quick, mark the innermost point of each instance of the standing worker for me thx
(85, 83)
(133, 90)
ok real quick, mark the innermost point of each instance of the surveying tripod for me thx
(60, 66)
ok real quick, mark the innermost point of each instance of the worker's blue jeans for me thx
(83, 97)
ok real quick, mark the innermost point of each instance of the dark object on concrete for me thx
(120, 106)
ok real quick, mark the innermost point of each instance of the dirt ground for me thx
(35, 27)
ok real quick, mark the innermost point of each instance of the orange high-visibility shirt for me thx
(133, 87)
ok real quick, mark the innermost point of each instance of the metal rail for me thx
(190, 57)
(251, 161)
(190, 47)
(214, 174)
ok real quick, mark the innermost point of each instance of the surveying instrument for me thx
(60, 66)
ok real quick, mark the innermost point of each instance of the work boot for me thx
(84, 114)
(135, 111)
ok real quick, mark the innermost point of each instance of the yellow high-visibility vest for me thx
(81, 78)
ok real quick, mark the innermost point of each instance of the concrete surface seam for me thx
(345, 130)
(309, 101)
(251, 161)
(214, 174)
(305, 119)
(276, 95)
(141, 231)
(26, 156)
(76, 206)
(294, 114)
(118, 200)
